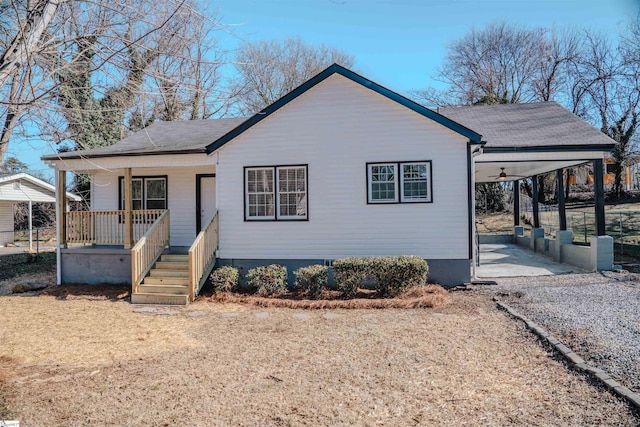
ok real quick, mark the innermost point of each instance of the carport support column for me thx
(601, 244)
(516, 203)
(30, 226)
(598, 185)
(61, 207)
(562, 213)
(534, 190)
(128, 224)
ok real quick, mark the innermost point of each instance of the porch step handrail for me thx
(107, 227)
(148, 249)
(202, 254)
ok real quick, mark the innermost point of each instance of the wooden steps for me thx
(167, 282)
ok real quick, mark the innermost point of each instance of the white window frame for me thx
(399, 181)
(247, 215)
(277, 216)
(427, 180)
(279, 194)
(143, 195)
(370, 182)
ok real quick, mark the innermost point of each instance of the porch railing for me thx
(148, 249)
(107, 227)
(202, 254)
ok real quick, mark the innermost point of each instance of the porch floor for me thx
(508, 260)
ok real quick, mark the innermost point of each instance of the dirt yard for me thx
(75, 358)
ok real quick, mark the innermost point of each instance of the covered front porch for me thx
(164, 261)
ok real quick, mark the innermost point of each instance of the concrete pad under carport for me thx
(509, 260)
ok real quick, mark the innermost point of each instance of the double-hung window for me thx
(399, 182)
(146, 193)
(275, 193)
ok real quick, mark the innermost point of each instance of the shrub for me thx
(268, 280)
(349, 274)
(312, 279)
(225, 279)
(395, 275)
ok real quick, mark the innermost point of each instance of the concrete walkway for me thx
(508, 260)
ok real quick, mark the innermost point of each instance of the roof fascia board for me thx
(80, 155)
(550, 148)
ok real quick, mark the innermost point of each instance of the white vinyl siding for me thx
(25, 191)
(181, 196)
(337, 128)
(6, 223)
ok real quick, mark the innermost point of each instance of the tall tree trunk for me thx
(24, 43)
(11, 118)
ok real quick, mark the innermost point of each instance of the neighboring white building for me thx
(22, 187)
(340, 167)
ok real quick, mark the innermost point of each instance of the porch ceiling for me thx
(490, 170)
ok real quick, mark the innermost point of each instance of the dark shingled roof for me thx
(183, 136)
(535, 126)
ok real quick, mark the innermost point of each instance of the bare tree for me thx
(495, 65)
(100, 63)
(610, 84)
(30, 29)
(268, 70)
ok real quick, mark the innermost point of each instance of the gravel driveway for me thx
(597, 315)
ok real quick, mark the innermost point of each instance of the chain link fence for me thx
(42, 238)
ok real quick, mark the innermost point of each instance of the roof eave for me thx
(550, 148)
(53, 157)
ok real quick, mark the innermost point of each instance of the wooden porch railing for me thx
(202, 254)
(148, 249)
(107, 227)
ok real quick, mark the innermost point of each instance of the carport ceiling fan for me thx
(502, 176)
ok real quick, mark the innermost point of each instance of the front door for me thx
(205, 200)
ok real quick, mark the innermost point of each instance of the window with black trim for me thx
(147, 192)
(274, 193)
(399, 182)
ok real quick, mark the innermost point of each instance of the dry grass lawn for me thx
(78, 359)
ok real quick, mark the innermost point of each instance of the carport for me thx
(22, 187)
(526, 140)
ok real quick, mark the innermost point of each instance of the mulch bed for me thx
(428, 296)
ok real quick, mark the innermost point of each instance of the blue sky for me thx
(396, 43)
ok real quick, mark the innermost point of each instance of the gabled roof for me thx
(35, 181)
(540, 126)
(474, 137)
(177, 137)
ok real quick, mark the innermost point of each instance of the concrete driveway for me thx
(508, 260)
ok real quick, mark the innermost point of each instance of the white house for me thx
(22, 187)
(339, 167)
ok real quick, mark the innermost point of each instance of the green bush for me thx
(225, 279)
(349, 274)
(268, 280)
(395, 275)
(312, 279)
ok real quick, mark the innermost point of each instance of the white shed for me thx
(22, 187)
